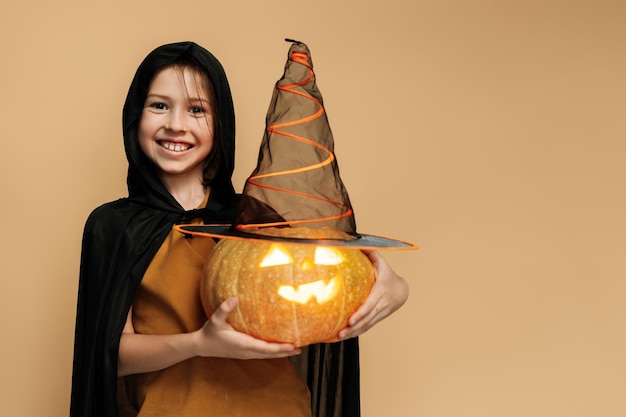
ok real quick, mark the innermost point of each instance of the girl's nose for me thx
(177, 121)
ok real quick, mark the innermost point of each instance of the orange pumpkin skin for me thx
(265, 312)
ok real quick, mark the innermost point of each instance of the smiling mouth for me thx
(175, 147)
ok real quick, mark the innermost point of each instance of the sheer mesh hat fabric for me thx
(296, 182)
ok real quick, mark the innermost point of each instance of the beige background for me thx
(492, 133)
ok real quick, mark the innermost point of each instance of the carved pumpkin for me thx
(288, 292)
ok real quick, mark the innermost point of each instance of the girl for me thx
(139, 317)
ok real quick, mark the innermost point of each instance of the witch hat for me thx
(296, 182)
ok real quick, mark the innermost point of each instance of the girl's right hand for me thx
(217, 338)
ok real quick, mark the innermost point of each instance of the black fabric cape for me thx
(121, 238)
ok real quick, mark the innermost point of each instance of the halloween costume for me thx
(122, 237)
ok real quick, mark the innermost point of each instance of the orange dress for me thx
(168, 302)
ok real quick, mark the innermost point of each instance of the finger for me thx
(370, 304)
(361, 313)
(225, 309)
(261, 349)
(361, 321)
(361, 326)
(269, 347)
(281, 350)
(374, 257)
(274, 355)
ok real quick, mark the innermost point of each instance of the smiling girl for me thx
(144, 345)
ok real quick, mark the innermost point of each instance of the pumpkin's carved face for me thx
(315, 267)
(293, 293)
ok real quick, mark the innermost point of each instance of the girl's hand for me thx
(140, 353)
(389, 293)
(217, 338)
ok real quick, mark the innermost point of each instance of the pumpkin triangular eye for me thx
(327, 256)
(277, 254)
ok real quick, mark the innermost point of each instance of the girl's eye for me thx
(197, 110)
(158, 106)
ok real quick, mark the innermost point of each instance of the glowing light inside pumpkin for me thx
(321, 290)
(327, 256)
(276, 255)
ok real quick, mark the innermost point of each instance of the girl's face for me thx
(176, 125)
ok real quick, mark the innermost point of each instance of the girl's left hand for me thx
(389, 293)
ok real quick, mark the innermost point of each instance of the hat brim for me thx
(360, 241)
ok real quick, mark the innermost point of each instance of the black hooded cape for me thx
(121, 238)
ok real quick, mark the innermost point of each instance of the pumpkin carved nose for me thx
(307, 264)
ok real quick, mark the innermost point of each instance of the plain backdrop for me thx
(491, 133)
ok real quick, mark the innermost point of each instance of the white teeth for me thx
(175, 147)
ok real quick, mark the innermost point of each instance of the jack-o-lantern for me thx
(288, 292)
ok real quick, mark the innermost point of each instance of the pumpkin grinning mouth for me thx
(321, 290)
